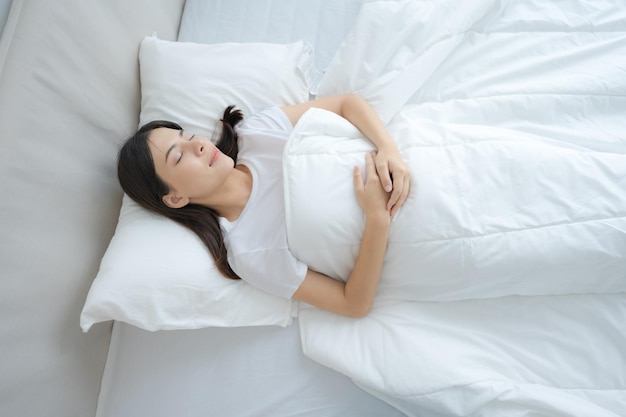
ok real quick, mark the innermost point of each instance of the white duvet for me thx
(504, 287)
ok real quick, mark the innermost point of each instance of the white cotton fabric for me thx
(192, 83)
(513, 238)
(225, 372)
(257, 241)
(158, 275)
(492, 212)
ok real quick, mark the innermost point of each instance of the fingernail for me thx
(388, 188)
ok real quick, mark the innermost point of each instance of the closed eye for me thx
(181, 153)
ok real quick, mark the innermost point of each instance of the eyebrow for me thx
(180, 133)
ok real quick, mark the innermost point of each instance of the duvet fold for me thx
(504, 287)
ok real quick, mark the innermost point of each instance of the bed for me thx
(544, 83)
(236, 370)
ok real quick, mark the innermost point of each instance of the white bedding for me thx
(494, 212)
(239, 372)
(513, 240)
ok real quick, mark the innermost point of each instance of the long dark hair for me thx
(139, 180)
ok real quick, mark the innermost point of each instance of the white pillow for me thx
(156, 274)
(191, 83)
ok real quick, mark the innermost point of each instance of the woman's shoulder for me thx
(270, 119)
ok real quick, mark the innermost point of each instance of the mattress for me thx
(242, 371)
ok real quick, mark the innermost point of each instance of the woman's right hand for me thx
(355, 297)
(370, 193)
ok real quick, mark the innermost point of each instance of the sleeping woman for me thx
(231, 195)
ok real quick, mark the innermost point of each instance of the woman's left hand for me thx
(395, 176)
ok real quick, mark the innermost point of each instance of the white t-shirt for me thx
(257, 241)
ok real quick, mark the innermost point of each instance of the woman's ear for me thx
(175, 201)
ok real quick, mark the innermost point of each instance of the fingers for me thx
(370, 189)
(370, 165)
(392, 175)
(358, 179)
(396, 201)
(400, 190)
(370, 171)
(394, 170)
(382, 168)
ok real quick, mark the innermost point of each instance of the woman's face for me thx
(192, 166)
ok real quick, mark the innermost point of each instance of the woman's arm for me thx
(393, 171)
(354, 298)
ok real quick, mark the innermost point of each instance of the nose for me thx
(198, 147)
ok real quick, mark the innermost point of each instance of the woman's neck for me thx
(236, 193)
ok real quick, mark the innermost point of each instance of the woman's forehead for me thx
(164, 133)
(161, 138)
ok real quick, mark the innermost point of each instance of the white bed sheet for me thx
(235, 372)
(245, 371)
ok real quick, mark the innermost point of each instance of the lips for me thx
(214, 157)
